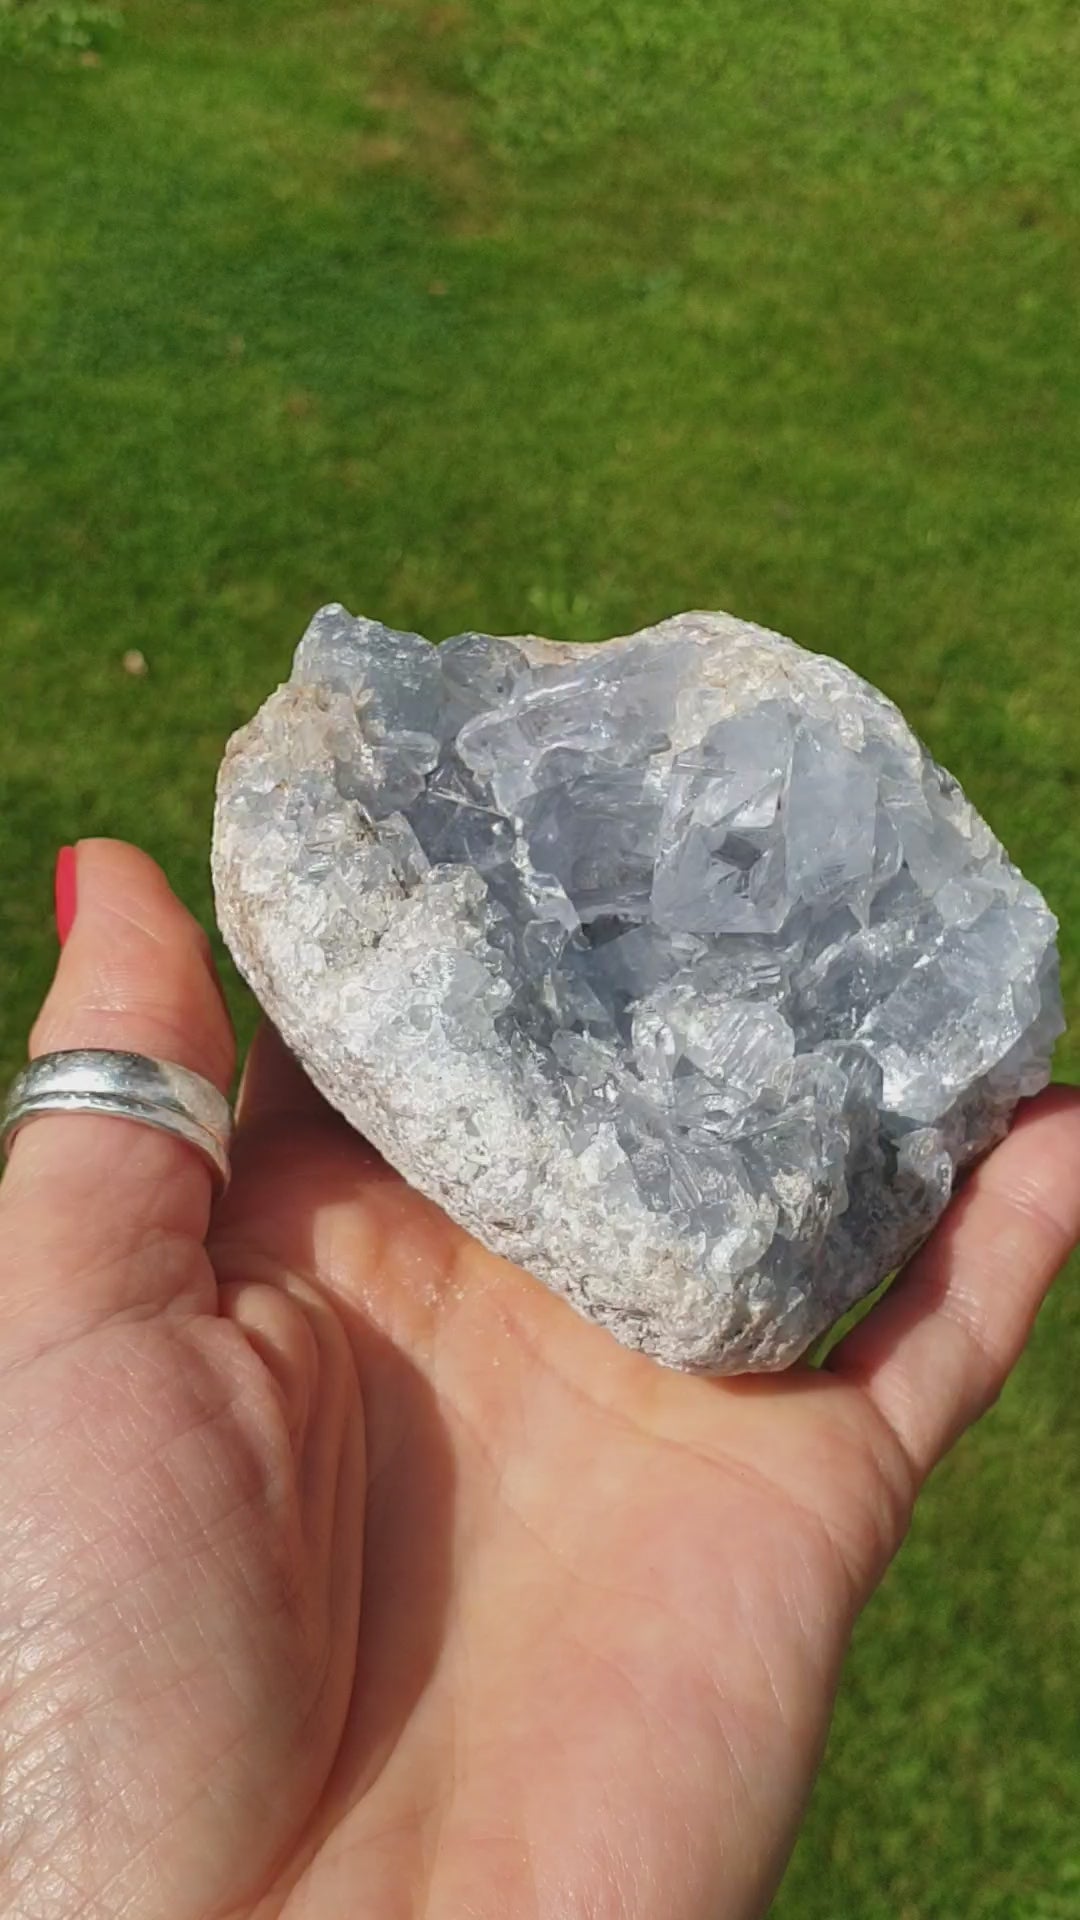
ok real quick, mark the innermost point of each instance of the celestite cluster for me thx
(673, 967)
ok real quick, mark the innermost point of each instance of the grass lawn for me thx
(569, 314)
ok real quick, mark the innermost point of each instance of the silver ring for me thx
(131, 1086)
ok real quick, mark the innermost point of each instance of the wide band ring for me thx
(131, 1086)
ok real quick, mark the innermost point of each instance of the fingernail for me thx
(65, 892)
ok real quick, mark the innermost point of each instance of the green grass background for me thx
(569, 314)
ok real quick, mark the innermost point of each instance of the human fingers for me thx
(100, 1213)
(936, 1352)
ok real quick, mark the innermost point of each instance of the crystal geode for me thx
(674, 968)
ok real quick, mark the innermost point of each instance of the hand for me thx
(585, 1665)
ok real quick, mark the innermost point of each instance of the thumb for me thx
(100, 1214)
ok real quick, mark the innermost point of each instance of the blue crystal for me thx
(768, 961)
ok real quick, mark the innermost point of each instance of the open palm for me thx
(344, 1571)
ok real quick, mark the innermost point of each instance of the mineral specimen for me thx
(674, 967)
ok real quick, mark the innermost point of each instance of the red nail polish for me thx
(65, 892)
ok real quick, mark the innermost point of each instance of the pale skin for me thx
(345, 1572)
